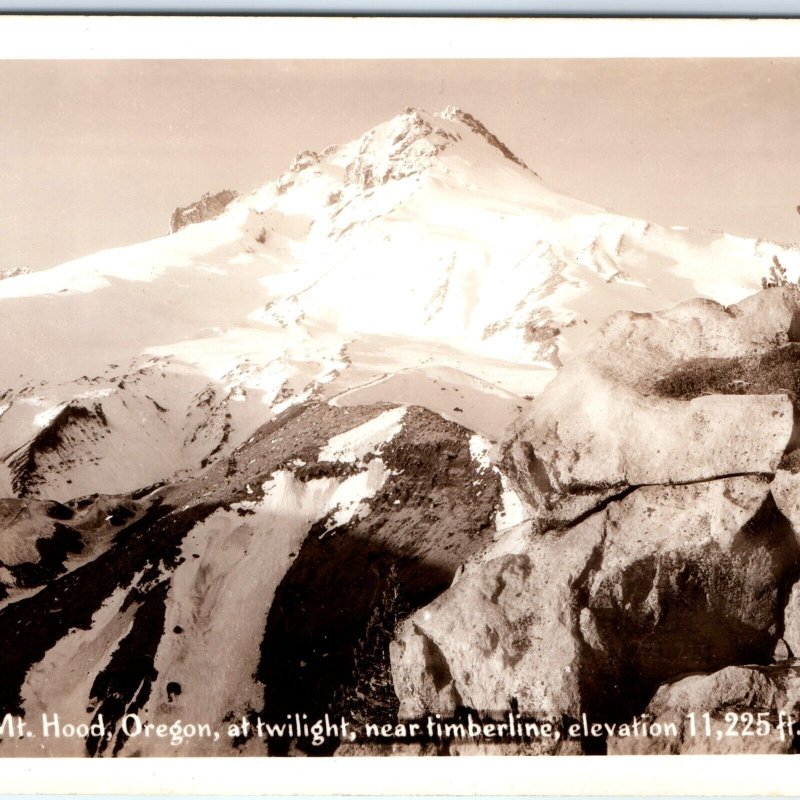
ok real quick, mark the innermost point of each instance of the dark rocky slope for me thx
(250, 588)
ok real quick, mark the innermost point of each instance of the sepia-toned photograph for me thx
(420, 407)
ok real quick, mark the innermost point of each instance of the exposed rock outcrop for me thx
(451, 112)
(745, 709)
(659, 468)
(14, 272)
(645, 404)
(209, 206)
(75, 421)
(403, 148)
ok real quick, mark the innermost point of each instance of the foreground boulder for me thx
(736, 710)
(667, 580)
(661, 470)
(508, 630)
(691, 577)
(671, 397)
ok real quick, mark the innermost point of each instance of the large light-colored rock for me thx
(692, 577)
(728, 697)
(590, 433)
(506, 630)
(616, 416)
(634, 348)
(667, 580)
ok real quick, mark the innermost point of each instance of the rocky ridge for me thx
(250, 588)
(209, 206)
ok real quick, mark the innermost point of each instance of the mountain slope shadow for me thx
(325, 647)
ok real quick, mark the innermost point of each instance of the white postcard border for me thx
(80, 37)
(77, 37)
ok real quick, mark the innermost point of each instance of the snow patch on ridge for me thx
(44, 418)
(293, 400)
(349, 499)
(512, 510)
(370, 437)
(479, 450)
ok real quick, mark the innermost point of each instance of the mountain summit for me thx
(423, 262)
(405, 146)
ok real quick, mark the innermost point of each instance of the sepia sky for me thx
(95, 154)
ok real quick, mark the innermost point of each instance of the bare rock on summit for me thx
(401, 149)
(209, 206)
(725, 696)
(667, 580)
(694, 393)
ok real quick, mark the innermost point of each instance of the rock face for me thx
(451, 112)
(664, 539)
(14, 272)
(209, 206)
(413, 142)
(478, 644)
(728, 697)
(690, 577)
(643, 404)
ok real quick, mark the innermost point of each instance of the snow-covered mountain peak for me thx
(422, 263)
(404, 146)
(399, 148)
(412, 141)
